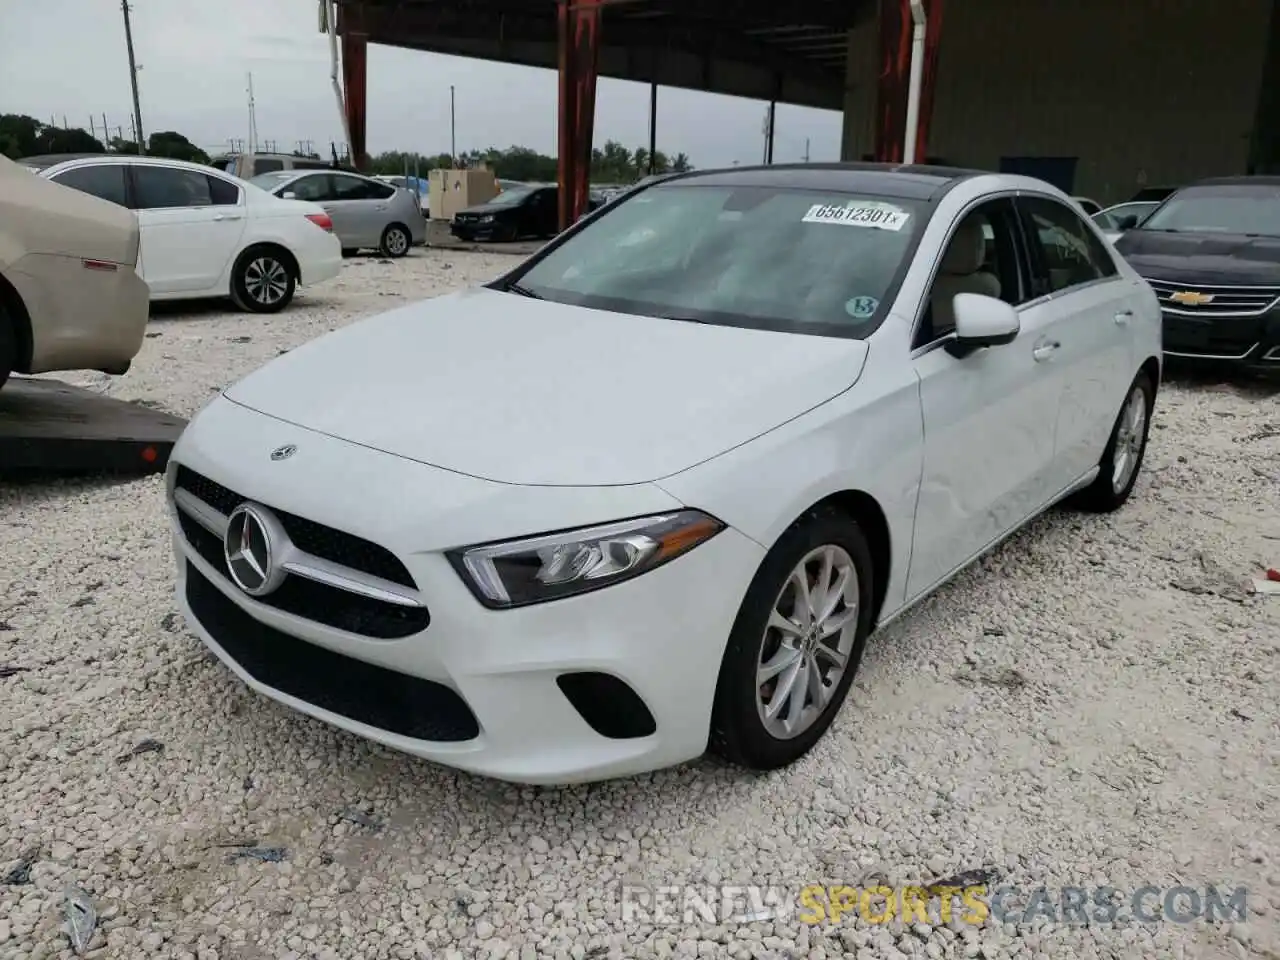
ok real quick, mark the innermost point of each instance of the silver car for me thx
(367, 214)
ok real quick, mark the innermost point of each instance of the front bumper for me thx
(1238, 326)
(472, 232)
(476, 689)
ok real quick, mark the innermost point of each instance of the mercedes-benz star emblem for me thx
(253, 537)
(284, 453)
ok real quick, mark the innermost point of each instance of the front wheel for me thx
(796, 644)
(1122, 458)
(395, 241)
(262, 281)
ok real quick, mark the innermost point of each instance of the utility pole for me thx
(133, 76)
(453, 126)
(806, 149)
(253, 120)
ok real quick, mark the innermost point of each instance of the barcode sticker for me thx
(873, 214)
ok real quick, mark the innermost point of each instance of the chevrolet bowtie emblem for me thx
(1190, 298)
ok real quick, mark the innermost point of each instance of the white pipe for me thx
(917, 77)
(331, 21)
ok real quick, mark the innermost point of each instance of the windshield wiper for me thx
(514, 287)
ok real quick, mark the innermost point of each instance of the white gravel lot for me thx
(1063, 714)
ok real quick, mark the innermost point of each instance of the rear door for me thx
(191, 227)
(358, 209)
(1088, 338)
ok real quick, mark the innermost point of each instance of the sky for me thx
(67, 58)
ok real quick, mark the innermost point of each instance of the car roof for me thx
(1240, 181)
(914, 181)
(49, 159)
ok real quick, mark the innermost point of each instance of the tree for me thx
(18, 135)
(175, 146)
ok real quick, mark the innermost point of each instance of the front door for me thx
(1090, 308)
(988, 416)
(191, 227)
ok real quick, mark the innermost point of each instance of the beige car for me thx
(70, 297)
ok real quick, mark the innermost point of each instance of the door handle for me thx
(381, 206)
(1043, 351)
(1123, 317)
(226, 216)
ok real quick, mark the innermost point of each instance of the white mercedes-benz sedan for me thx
(651, 490)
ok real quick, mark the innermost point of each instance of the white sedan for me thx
(206, 233)
(653, 489)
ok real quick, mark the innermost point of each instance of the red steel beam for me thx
(355, 88)
(579, 28)
(895, 78)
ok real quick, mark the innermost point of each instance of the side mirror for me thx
(289, 195)
(1127, 222)
(982, 321)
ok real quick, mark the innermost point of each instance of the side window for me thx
(222, 193)
(263, 165)
(381, 191)
(104, 180)
(315, 188)
(351, 188)
(310, 165)
(1069, 252)
(984, 255)
(160, 187)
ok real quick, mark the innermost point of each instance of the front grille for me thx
(1225, 301)
(314, 601)
(368, 694)
(316, 539)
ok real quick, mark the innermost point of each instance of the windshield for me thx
(512, 195)
(269, 181)
(789, 260)
(1110, 219)
(1229, 208)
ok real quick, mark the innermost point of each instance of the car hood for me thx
(525, 391)
(481, 209)
(1202, 257)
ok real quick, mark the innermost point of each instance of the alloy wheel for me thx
(397, 242)
(807, 642)
(266, 280)
(1130, 434)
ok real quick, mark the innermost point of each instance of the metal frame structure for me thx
(795, 53)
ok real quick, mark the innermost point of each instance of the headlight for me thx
(536, 569)
(488, 218)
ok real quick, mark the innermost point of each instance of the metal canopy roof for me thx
(794, 52)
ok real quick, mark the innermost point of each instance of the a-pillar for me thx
(579, 23)
(895, 40)
(355, 68)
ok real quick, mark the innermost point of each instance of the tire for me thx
(1127, 446)
(740, 732)
(8, 346)
(396, 241)
(263, 280)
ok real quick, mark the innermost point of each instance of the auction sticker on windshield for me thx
(859, 213)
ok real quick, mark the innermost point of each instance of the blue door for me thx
(1059, 171)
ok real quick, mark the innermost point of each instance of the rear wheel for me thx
(1122, 458)
(262, 281)
(796, 644)
(396, 240)
(8, 345)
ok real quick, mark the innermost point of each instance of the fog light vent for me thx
(608, 705)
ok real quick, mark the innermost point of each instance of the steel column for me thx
(355, 67)
(653, 127)
(579, 24)
(895, 73)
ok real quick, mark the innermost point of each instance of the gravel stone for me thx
(1137, 745)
